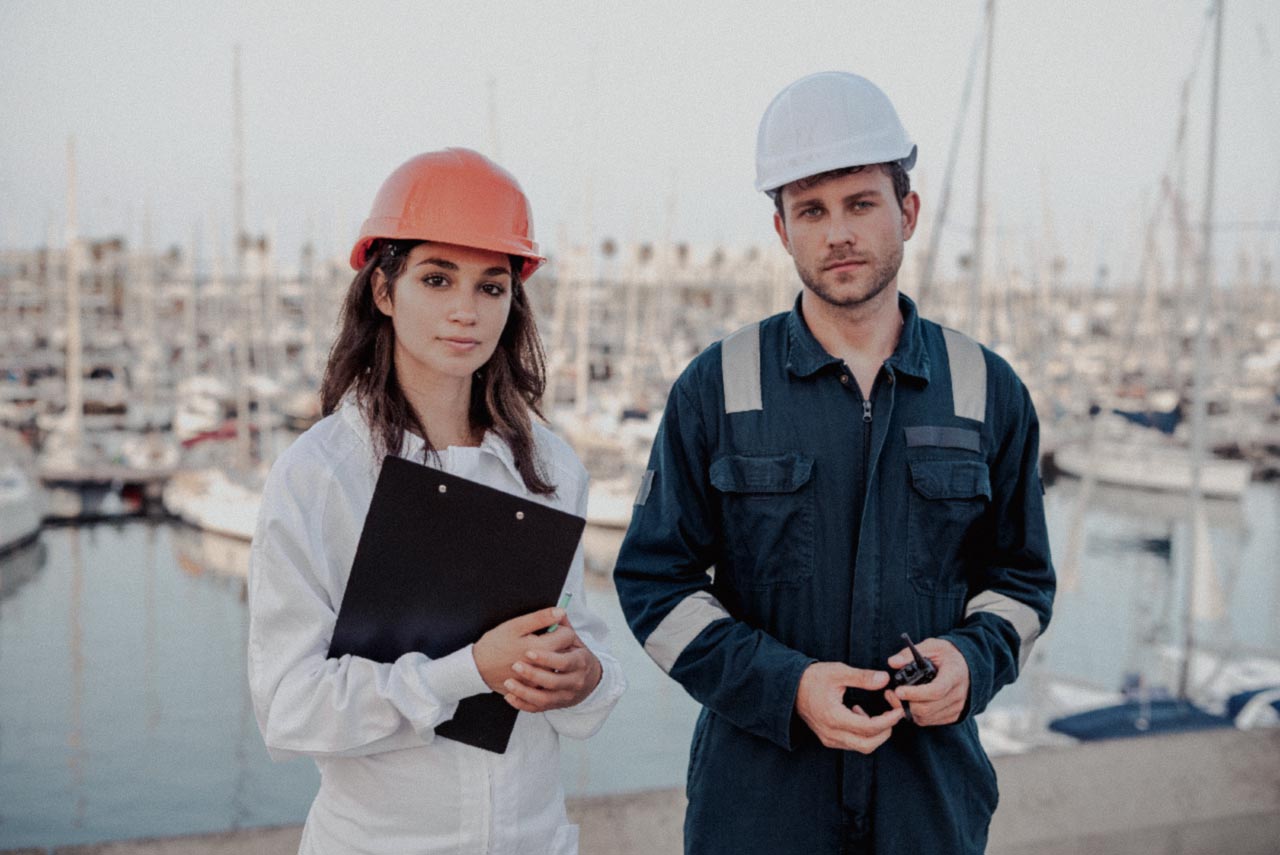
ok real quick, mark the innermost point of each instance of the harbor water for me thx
(124, 710)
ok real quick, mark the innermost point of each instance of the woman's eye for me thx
(434, 281)
(493, 289)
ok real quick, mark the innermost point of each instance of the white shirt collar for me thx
(411, 446)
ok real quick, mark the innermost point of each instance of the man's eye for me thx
(811, 212)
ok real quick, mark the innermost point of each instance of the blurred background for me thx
(181, 184)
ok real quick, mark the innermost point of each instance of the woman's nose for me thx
(462, 310)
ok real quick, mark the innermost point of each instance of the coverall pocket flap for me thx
(765, 473)
(951, 479)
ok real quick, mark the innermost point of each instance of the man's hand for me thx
(941, 701)
(820, 703)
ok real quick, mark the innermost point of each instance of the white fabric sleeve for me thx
(588, 716)
(306, 703)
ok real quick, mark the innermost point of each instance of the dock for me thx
(1191, 794)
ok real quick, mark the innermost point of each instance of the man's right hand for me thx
(820, 703)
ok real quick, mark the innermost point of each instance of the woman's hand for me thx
(508, 643)
(557, 671)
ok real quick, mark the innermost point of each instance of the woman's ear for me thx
(382, 295)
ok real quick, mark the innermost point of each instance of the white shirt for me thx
(387, 784)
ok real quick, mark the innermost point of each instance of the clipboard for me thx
(440, 561)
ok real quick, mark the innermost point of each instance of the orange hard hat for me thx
(452, 196)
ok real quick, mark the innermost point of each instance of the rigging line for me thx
(953, 154)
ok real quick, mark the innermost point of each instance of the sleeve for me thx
(737, 671)
(1012, 597)
(587, 717)
(305, 702)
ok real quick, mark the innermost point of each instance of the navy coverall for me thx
(786, 520)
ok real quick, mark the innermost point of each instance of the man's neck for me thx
(864, 336)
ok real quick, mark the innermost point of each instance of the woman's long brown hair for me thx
(504, 392)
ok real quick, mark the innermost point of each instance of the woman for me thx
(437, 360)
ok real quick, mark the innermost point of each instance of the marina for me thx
(148, 384)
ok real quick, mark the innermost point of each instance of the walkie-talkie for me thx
(912, 674)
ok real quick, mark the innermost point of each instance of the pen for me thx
(563, 604)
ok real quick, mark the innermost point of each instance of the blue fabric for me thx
(830, 536)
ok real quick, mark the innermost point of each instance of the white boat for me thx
(208, 499)
(22, 504)
(1151, 467)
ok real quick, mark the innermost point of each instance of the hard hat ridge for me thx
(825, 121)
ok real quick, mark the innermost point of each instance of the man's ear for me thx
(780, 226)
(910, 214)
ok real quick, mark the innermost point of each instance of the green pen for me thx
(563, 604)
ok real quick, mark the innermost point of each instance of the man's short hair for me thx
(901, 182)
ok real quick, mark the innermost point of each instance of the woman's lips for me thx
(461, 344)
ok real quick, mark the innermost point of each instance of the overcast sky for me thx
(631, 120)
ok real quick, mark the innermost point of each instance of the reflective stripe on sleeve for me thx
(1023, 618)
(646, 484)
(968, 375)
(740, 370)
(682, 624)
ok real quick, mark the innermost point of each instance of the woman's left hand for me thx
(557, 671)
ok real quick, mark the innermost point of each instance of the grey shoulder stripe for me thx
(1023, 618)
(682, 625)
(740, 370)
(646, 484)
(968, 375)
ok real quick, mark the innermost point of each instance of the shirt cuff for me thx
(456, 676)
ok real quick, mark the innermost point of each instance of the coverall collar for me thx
(806, 356)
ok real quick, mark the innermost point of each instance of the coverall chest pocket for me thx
(767, 516)
(946, 499)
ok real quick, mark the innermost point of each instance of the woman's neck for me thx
(442, 404)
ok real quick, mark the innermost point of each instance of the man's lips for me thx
(840, 263)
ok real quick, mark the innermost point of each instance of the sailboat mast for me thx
(74, 391)
(242, 303)
(1201, 374)
(980, 214)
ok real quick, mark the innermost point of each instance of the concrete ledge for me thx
(1190, 794)
(1126, 786)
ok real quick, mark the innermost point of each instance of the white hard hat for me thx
(826, 121)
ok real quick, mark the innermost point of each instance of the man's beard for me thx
(883, 273)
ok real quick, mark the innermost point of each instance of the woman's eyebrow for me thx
(438, 262)
(449, 265)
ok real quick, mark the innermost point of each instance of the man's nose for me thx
(840, 230)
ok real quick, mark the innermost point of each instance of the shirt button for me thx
(844, 378)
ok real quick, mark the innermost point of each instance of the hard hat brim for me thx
(778, 174)
(372, 231)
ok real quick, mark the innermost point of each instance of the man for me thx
(852, 472)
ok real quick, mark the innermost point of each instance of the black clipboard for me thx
(441, 560)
